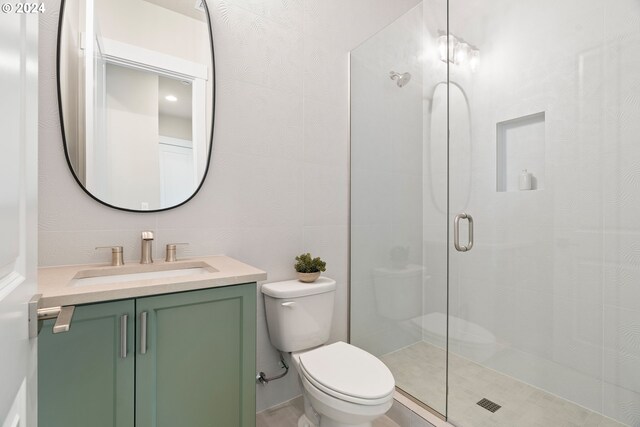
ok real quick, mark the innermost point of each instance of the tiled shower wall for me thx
(549, 294)
(386, 152)
(278, 182)
(554, 271)
(393, 129)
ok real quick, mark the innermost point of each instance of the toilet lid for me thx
(348, 371)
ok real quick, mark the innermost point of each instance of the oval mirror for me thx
(136, 96)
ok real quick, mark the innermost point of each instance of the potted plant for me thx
(309, 268)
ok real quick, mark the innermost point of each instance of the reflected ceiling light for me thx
(442, 47)
(458, 51)
(461, 53)
(474, 59)
(171, 98)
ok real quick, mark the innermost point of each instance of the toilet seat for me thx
(347, 373)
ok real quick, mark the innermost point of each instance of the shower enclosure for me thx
(495, 209)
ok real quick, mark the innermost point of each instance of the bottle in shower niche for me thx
(525, 181)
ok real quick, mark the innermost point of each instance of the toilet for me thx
(399, 291)
(343, 385)
(399, 298)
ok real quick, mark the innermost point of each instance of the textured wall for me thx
(393, 170)
(386, 176)
(278, 183)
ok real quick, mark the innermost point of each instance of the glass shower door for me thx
(544, 307)
(398, 280)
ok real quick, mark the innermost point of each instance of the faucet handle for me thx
(171, 251)
(116, 254)
(147, 235)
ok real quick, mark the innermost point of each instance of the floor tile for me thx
(287, 414)
(522, 405)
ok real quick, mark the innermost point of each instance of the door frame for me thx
(142, 59)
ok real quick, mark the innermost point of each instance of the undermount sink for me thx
(133, 273)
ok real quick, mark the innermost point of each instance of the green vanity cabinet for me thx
(199, 366)
(192, 363)
(83, 380)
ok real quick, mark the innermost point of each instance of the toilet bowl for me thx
(343, 385)
(464, 337)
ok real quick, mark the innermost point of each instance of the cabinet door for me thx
(83, 380)
(198, 369)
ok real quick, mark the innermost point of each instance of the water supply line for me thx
(262, 377)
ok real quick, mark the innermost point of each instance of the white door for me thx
(18, 215)
(177, 171)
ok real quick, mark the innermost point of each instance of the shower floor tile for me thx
(420, 370)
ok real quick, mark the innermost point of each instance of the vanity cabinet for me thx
(199, 364)
(190, 362)
(82, 380)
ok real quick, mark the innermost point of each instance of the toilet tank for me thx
(299, 314)
(399, 291)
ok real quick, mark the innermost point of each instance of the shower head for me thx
(401, 79)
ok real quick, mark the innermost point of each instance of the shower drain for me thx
(489, 405)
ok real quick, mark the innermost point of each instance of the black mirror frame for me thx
(64, 137)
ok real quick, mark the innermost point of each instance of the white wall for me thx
(120, 20)
(175, 127)
(278, 183)
(392, 134)
(386, 176)
(132, 167)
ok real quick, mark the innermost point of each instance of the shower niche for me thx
(520, 146)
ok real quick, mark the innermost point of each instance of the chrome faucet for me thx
(147, 248)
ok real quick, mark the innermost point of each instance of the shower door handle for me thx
(456, 232)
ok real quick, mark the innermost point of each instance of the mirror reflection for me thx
(136, 96)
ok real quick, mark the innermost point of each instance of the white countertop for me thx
(55, 283)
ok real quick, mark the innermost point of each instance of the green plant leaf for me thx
(306, 264)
